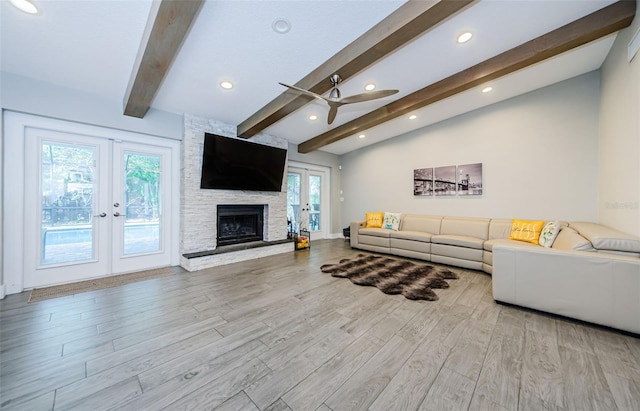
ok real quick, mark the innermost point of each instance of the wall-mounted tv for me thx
(235, 164)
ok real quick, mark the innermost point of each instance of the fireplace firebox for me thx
(240, 224)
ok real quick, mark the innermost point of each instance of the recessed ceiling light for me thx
(370, 87)
(361, 136)
(281, 25)
(413, 117)
(487, 89)
(313, 117)
(464, 37)
(25, 5)
(226, 85)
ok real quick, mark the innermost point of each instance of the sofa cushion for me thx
(467, 227)
(391, 221)
(622, 253)
(569, 239)
(423, 223)
(457, 262)
(375, 241)
(489, 244)
(410, 245)
(374, 220)
(526, 230)
(607, 238)
(462, 253)
(412, 235)
(376, 232)
(458, 240)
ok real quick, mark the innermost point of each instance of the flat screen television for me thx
(235, 164)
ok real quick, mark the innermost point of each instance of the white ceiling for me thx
(92, 46)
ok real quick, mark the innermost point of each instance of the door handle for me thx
(116, 214)
(101, 215)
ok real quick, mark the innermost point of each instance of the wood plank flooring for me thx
(277, 334)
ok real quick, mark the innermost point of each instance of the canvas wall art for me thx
(470, 179)
(423, 182)
(444, 180)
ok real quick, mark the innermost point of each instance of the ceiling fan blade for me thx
(372, 95)
(303, 91)
(333, 112)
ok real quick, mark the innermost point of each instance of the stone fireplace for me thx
(240, 223)
(200, 235)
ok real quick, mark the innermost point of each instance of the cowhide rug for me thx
(392, 276)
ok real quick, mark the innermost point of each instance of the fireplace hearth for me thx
(240, 224)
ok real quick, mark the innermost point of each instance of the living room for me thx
(566, 151)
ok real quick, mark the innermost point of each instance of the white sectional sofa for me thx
(591, 273)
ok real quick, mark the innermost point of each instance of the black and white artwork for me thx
(444, 181)
(470, 179)
(423, 181)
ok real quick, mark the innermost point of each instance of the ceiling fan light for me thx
(464, 37)
(25, 6)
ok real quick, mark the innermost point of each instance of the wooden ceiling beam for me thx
(582, 31)
(408, 22)
(164, 36)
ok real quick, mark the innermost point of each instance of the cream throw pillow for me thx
(549, 233)
(391, 221)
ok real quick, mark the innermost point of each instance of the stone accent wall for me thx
(198, 207)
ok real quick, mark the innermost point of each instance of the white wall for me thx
(539, 153)
(619, 160)
(26, 95)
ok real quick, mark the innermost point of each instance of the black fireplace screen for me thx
(240, 224)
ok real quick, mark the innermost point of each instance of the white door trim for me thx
(14, 178)
(325, 195)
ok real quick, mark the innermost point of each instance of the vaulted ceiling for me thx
(172, 55)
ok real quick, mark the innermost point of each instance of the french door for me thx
(308, 199)
(94, 207)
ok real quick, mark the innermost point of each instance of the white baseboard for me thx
(2, 291)
(335, 235)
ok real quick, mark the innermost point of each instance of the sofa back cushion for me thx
(569, 239)
(499, 228)
(470, 227)
(607, 238)
(423, 223)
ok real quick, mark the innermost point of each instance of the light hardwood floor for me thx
(276, 333)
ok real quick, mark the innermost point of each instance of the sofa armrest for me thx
(355, 227)
(578, 284)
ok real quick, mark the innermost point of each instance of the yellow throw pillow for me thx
(374, 220)
(525, 230)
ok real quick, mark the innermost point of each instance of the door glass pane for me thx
(141, 203)
(315, 183)
(293, 201)
(67, 185)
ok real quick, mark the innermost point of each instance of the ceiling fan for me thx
(335, 100)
